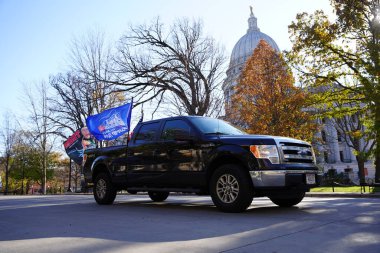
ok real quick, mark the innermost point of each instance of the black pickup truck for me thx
(204, 156)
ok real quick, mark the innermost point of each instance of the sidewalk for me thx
(343, 194)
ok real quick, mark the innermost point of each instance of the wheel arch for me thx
(225, 159)
(99, 166)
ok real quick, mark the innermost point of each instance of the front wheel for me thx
(231, 189)
(104, 190)
(288, 201)
(158, 196)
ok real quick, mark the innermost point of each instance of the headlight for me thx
(265, 152)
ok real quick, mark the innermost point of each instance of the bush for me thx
(333, 178)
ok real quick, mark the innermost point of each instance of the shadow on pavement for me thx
(181, 218)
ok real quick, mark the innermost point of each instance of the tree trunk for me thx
(27, 187)
(44, 179)
(23, 178)
(377, 150)
(361, 161)
(6, 175)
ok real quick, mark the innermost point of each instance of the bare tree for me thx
(8, 136)
(71, 104)
(82, 91)
(41, 127)
(180, 67)
(92, 62)
(90, 57)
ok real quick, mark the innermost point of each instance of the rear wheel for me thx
(104, 190)
(231, 189)
(158, 196)
(288, 201)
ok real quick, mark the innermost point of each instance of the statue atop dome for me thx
(252, 21)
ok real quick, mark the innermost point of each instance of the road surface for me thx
(75, 223)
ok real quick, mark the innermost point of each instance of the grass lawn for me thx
(344, 189)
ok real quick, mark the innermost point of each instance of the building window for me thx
(339, 135)
(326, 156)
(341, 156)
(323, 136)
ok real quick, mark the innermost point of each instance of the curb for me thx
(342, 195)
(308, 194)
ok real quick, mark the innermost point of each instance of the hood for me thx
(254, 139)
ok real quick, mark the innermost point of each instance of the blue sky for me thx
(35, 34)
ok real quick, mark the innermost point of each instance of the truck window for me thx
(215, 126)
(175, 128)
(147, 132)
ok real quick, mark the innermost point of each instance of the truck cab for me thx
(205, 156)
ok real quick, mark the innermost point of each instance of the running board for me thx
(157, 189)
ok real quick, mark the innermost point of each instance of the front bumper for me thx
(284, 178)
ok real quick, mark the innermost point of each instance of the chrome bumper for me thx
(276, 178)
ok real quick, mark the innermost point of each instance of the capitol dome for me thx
(246, 44)
(243, 50)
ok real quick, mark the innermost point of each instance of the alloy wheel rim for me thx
(227, 188)
(101, 188)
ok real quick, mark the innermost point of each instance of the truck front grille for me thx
(296, 152)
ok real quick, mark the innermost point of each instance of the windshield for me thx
(215, 126)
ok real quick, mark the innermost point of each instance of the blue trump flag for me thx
(111, 123)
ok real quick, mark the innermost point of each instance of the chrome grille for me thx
(297, 153)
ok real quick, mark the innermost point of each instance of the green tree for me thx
(342, 59)
(351, 123)
(266, 101)
(27, 163)
(21, 163)
(8, 139)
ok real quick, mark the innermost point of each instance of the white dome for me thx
(246, 44)
(242, 51)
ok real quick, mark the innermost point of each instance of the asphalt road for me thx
(75, 223)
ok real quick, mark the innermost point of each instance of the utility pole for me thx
(69, 187)
(22, 174)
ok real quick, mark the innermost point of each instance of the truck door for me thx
(177, 153)
(142, 165)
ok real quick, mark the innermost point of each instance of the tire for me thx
(231, 189)
(132, 192)
(158, 196)
(286, 201)
(104, 190)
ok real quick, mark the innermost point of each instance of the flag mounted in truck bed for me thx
(111, 123)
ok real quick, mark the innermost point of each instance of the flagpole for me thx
(129, 127)
(142, 113)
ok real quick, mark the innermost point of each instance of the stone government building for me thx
(334, 153)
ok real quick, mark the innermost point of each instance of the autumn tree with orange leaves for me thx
(265, 100)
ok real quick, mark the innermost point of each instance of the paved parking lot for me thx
(75, 223)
